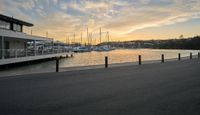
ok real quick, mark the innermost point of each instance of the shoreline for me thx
(90, 67)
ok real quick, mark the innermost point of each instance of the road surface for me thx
(171, 88)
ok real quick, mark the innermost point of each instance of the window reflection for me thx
(17, 27)
(4, 25)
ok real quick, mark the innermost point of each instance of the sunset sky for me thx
(124, 19)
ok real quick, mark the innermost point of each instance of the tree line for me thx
(181, 43)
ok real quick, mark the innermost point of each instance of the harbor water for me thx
(97, 58)
(121, 56)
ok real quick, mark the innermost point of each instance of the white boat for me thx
(104, 48)
(81, 49)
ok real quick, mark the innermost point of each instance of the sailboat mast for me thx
(74, 38)
(81, 37)
(87, 36)
(100, 34)
(108, 37)
(66, 40)
(91, 39)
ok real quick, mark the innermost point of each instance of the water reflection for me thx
(121, 56)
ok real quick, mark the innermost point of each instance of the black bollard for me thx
(163, 59)
(179, 56)
(190, 55)
(198, 54)
(57, 64)
(106, 62)
(139, 60)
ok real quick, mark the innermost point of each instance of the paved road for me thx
(172, 88)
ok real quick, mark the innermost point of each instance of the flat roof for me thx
(14, 20)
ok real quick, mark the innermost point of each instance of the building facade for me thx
(15, 44)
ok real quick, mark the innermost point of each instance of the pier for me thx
(171, 88)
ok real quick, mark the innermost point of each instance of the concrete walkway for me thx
(171, 88)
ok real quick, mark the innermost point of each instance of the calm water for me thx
(97, 58)
(121, 56)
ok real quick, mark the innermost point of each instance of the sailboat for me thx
(104, 47)
(82, 48)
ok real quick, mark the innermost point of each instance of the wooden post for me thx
(179, 56)
(72, 55)
(57, 64)
(163, 59)
(198, 54)
(191, 55)
(106, 62)
(139, 60)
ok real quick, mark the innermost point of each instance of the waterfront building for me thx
(17, 46)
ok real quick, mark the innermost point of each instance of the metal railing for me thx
(16, 53)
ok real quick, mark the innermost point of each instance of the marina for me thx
(18, 47)
(99, 57)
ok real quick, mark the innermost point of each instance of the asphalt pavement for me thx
(171, 88)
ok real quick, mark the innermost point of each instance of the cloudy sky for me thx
(124, 19)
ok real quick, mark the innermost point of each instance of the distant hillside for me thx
(183, 43)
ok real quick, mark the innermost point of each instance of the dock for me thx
(33, 58)
(170, 88)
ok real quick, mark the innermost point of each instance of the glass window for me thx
(17, 27)
(4, 24)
